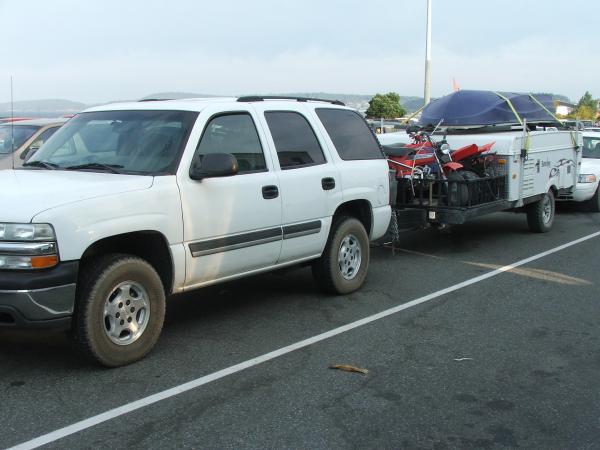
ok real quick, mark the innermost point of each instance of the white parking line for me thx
(129, 407)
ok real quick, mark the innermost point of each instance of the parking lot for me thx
(503, 361)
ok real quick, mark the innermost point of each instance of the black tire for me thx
(473, 189)
(334, 271)
(540, 214)
(593, 203)
(458, 193)
(96, 332)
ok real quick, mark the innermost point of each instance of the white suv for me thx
(129, 203)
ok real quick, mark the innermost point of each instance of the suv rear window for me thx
(295, 140)
(350, 134)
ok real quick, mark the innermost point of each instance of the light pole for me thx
(427, 94)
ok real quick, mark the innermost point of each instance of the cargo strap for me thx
(531, 96)
(573, 138)
(413, 115)
(509, 103)
(525, 148)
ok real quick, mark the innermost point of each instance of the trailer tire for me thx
(343, 266)
(594, 202)
(540, 214)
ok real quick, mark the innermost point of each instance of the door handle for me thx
(328, 183)
(270, 192)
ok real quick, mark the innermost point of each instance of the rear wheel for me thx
(343, 266)
(120, 309)
(540, 214)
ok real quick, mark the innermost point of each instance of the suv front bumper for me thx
(38, 299)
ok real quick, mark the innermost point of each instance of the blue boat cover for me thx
(480, 108)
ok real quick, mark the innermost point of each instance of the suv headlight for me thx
(27, 246)
(587, 178)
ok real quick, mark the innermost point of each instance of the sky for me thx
(97, 51)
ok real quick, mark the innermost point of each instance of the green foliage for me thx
(385, 105)
(583, 112)
(588, 101)
(586, 109)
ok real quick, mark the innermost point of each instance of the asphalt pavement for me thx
(508, 361)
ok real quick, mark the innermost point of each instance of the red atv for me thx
(425, 156)
(432, 165)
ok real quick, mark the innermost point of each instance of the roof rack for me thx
(154, 99)
(260, 98)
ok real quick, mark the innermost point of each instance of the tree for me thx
(385, 105)
(588, 101)
(583, 112)
(586, 109)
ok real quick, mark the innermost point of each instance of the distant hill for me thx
(42, 108)
(357, 101)
(59, 107)
(555, 97)
(177, 95)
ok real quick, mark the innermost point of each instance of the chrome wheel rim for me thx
(547, 209)
(349, 257)
(126, 313)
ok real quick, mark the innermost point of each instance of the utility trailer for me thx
(522, 172)
(533, 160)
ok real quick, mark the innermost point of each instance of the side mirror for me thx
(214, 165)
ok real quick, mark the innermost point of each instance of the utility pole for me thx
(428, 56)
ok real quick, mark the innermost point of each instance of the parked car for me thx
(587, 189)
(21, 139)
(580, 124)
(13, 119)
(143, 200)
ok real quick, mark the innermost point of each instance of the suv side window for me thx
(295, 140)
(350, 134)
(235, 134)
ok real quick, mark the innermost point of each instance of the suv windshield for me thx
(19, 134)
(141, 142)
(591, 147)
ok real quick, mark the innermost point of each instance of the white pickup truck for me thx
(129, 203)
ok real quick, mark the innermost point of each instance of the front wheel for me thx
(343, 266)
(120, 309)
(540, 214)
(594, 202)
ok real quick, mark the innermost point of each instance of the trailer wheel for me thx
(120, 309)
(343, 266)
(594, 202)
(540, 214)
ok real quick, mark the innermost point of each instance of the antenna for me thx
(12, 125)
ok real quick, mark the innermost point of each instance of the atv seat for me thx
(398, 150)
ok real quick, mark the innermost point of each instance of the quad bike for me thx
(427, 162)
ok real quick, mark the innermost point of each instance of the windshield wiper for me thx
(107, 167)
(44, 164)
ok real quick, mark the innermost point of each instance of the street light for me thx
(427, 94)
